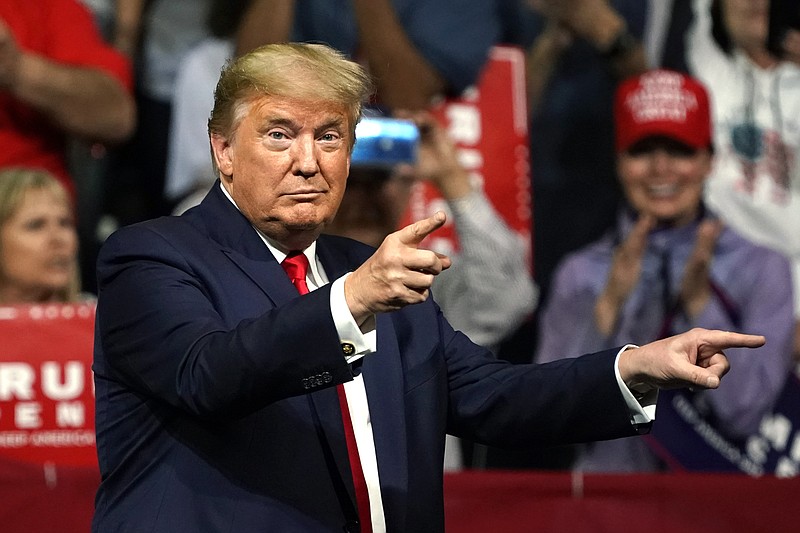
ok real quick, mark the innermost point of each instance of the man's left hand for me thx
(691, 359)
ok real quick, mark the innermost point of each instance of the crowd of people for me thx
(664, 144)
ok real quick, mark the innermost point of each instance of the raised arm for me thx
(83, 101)
(264, 22)
(595, 21)
(405, 79)
(489, 291)
(127, 25)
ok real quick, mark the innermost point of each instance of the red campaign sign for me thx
(46, 384)
(489, 125)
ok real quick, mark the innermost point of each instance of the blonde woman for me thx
(38, 239)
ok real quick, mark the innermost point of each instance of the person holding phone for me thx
(488, 291)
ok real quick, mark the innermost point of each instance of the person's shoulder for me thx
(172, 229)
(592, 254)
(583, 267)
(752, 254)
(788, 72)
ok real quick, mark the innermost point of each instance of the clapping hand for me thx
(626, 267)
(695, 285)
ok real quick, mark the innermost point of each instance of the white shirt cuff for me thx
(642, 407)
(362, 341)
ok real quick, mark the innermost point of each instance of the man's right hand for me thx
(398, 274)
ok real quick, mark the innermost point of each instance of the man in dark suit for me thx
(226, 401)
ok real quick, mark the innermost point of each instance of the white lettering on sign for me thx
(16, 381)
(70, 414)
(69, 388)
(776, 429)
(794, 451)
(776, 435)
(470, 158)
(59, 381)
(786, 468)
(59, 439)
(464, 124)
(13, 439)
(28, 415)
(47, 438)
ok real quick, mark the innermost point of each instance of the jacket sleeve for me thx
(161, 334)
(574, 399)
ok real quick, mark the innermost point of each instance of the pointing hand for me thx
(398, 274)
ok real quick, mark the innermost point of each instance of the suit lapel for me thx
(236, 237)
(267, 274)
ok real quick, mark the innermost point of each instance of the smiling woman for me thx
(38, 240)
(670, 264)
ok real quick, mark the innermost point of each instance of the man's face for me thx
(664, 178)
(286, 166)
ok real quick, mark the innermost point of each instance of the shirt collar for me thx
(316, 275)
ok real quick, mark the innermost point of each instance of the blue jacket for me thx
(216, 405)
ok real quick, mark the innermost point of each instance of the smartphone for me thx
(783, 15)
(385, 142)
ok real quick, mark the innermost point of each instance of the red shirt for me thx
(64, 32)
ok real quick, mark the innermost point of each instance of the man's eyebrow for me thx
(277, 120)
(336, 123)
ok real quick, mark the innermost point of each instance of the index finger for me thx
(415, 233)
(720, 340)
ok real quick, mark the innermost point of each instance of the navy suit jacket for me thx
(216, 407)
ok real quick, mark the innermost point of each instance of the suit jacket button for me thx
(348, 349)
(326, 377)
(306, 384)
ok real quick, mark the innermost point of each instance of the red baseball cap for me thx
(662, 103)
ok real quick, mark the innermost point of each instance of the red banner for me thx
(46, 384)
(489, 125)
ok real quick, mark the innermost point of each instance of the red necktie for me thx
(296, 267)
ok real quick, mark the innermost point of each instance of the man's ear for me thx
(221, 149)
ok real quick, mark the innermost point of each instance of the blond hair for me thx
(14, 184)
(297, 70)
